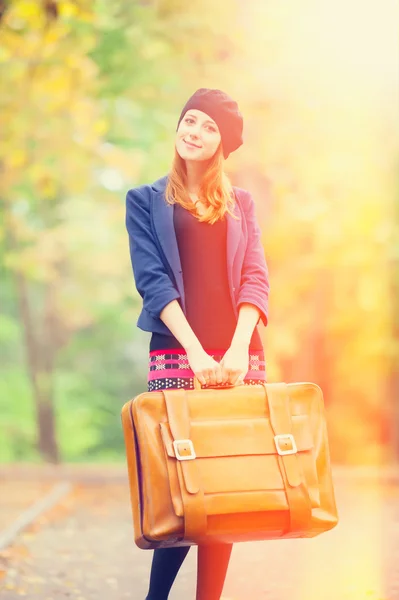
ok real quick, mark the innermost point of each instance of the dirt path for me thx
(84, 550)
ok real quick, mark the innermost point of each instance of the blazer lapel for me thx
(234, 233)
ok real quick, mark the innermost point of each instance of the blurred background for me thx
(90, 95)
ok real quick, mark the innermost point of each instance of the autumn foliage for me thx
(90, 96)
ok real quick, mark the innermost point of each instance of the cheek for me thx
(215, 140)
(181, 130)
(214, 144)
(180, 134)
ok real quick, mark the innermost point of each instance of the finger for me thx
(240, 380)
(219, 374)
(235, 376)
(216, 373)
(225, 374)
(231, 375)
(205, 378)
(201, 378)
(210, 377)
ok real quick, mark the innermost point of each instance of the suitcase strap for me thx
(195, 518)
(295, 487)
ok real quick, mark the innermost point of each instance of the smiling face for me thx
(197, 137)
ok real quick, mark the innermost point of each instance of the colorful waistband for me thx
(174, 363)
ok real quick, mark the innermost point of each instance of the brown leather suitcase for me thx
(228, 464)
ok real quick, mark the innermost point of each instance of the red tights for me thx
(212, 564)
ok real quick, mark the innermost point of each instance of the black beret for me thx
(224, 111)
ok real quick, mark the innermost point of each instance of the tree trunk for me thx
(40, 367)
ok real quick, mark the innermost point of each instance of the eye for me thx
(188, 119)
(211, 128)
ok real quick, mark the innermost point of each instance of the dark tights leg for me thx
(212, 565)
(166, 563)
(213, 562)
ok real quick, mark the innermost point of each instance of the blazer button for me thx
(234, 289)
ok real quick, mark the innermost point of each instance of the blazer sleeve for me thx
(254, 286)
(151, 278)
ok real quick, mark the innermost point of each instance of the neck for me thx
(195, 172)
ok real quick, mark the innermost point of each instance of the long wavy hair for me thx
(215, 191)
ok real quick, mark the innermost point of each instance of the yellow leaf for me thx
(16, 159)
(48, 188)
(27, 9)
(101, 126)
(68, 9)
(5, 54)
(57, 32)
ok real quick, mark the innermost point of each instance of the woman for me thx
(200, 268)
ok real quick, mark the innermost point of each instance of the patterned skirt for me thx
(170, 368)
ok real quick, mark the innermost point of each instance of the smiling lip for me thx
(192, 145)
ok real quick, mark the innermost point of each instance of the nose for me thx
(194, 131)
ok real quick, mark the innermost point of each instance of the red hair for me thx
(215, 190)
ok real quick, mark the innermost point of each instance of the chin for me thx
(188, 156)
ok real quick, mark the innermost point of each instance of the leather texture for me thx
(241, 463)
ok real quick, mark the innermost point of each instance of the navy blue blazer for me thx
(156, 262)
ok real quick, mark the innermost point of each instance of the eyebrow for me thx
(194, 117)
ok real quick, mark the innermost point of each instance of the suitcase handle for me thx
(217, 386)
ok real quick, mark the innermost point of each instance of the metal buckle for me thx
(288, 438)
(188, 443)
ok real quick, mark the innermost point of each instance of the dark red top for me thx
(209, 308)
